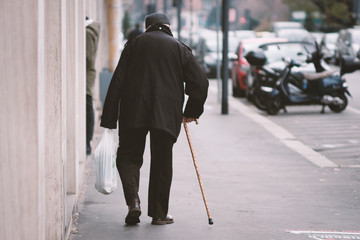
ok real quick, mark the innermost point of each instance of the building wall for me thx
(51, 82)
(42, 121)
(22, 157)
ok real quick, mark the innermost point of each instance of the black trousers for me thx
(90, 119)
(130, 159)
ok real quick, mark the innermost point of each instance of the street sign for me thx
(232, 15)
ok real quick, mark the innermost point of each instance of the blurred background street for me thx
(278, 145)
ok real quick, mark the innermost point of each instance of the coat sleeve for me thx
(196, 87)
(111, 105)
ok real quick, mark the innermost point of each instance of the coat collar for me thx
(160, 27)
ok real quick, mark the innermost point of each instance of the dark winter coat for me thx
(149, 83)
(92, 39)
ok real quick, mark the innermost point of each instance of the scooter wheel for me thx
(259, 98)
(273, 105)
(339, 107)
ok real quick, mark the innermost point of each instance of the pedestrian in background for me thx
(135, 32)
(92, 38)
(149, 85)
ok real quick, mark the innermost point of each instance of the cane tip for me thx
(211, 221)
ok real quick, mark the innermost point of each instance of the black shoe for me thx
(134, 213)
(162, 221)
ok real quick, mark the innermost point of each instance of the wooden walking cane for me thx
(197, 171)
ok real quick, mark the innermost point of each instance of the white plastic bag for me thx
(105, 160)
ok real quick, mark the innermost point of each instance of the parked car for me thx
(329, 44)
(296, 35)
(277, 52)
(213, 54)
(280, 25)
(208, 51)
(265, 34)
(318, 36)
(242, 34)
(347, 44)
(240, 66)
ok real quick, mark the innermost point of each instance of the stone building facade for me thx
(42, 121)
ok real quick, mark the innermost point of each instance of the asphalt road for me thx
(333, 135)
(353, 80)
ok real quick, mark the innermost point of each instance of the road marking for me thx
(354, 110)
(330, 235)
(350, 166)
(281, 134)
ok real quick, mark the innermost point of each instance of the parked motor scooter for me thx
(324, 88)
(258, 77)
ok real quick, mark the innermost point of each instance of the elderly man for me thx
(148, 83)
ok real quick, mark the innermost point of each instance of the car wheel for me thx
(237, 92)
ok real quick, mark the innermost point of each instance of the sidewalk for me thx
(256, 188)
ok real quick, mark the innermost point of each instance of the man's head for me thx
(156, 18)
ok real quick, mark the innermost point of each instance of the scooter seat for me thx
(315, 76)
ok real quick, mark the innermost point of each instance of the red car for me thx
(240, 66)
